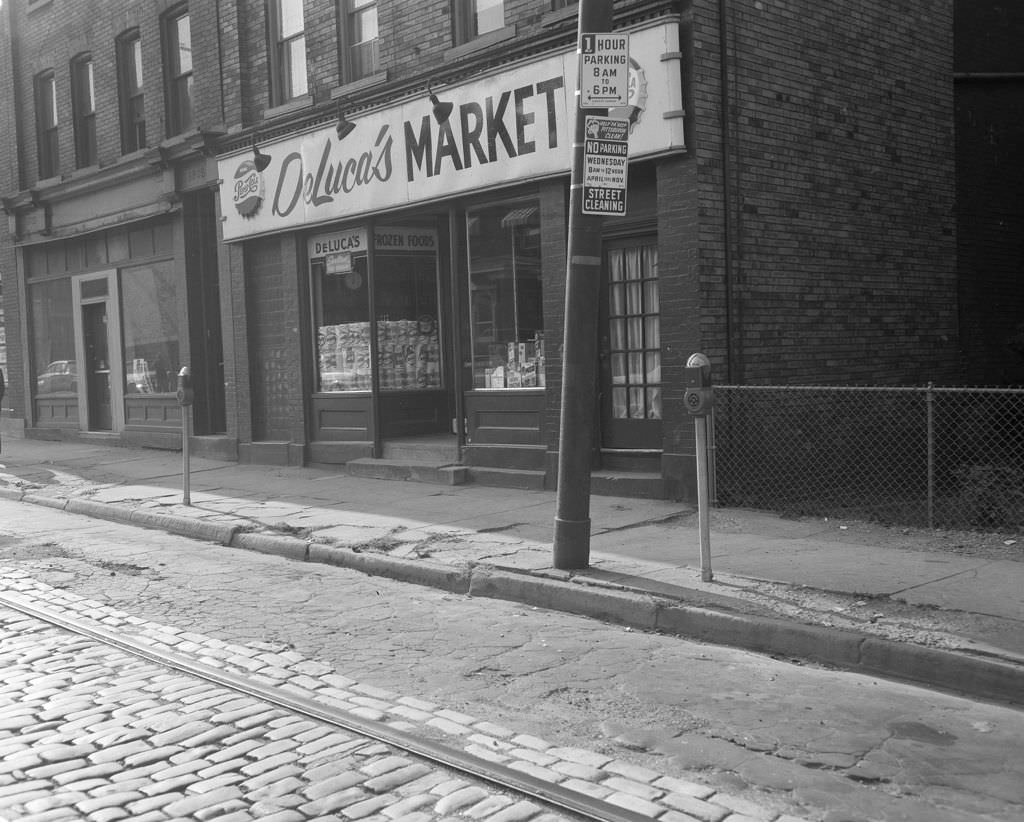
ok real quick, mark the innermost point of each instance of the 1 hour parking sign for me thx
(604, 70)
(605, 163)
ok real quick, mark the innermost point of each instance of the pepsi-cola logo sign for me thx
(248, 189)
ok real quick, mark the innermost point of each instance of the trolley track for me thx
(551, 796)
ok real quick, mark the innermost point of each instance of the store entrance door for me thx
(631, 397)
(413, 397)
(97, 367)
(98, 349)
(378, 318)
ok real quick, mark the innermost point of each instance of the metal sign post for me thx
(579, 341)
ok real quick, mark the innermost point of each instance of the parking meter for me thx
(698, 397)
(185, 393)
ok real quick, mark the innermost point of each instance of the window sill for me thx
(363, 83)
(554, 18)
(478, 44)
(35, 5)
(305, 101)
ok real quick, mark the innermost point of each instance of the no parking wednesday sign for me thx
(605, 165)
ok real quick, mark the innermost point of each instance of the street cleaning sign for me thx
(604, 70)
(605, 163)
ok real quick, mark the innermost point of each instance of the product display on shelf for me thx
(344, 357)
(516, 364)
(408, 351)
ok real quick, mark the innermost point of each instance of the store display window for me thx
(152, 328)
(53, 340)
(405, 301)
(507, 320)
(342, 313)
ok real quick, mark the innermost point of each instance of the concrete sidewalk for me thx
(938, 608)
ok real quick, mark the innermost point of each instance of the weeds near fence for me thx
(927, 457)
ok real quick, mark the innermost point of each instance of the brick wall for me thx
(839, 178)
(52, 34)
(276, 388)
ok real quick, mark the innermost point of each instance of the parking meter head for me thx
(185, 393)
(698, 396)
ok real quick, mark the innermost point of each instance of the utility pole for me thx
(579, 348)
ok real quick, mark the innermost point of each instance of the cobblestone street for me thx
(90, 732)
(661, 727)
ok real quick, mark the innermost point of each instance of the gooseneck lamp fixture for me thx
(344, 127)
(260, 160)
(442, 111)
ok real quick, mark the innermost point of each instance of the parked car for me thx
(60, 375)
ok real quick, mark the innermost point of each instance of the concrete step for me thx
(520, 478)
(426, 449)
(627, 484)
(414, 470)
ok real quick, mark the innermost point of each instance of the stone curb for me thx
(100, 510)
(446, 577)
(282, 546)
(849, 650)
(185, 526)
(630, 609)
(50, 502)
(981, 678)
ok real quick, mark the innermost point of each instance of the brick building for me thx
(269, 198)
(989, 84)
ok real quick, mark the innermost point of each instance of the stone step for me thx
(521, 478)
(414, 470)
(627, 484)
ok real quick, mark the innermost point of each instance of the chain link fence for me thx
(928, 457)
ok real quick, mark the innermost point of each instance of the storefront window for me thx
(149, 296)
(342, 309)
(53, 338)
(507, 321)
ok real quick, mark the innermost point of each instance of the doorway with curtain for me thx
(630, 347)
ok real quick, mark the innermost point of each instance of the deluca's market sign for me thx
(510, 127)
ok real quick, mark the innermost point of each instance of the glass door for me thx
(98, 348)
(414, 398)
(631, 396)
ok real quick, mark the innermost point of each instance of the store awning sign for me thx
(604, 70)
(507, 128)
(605, 165)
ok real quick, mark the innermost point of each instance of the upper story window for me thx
(476, 17)
(359, 39)
(132, 99)
(46, 124)
(288, 55)
(83, 108)
(562, 4)
(178, 51)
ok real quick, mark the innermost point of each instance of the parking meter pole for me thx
(579, 346)
(185, 468)
(699, 399)
(185, 398)
(703, 497)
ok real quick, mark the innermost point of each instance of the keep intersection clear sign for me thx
(605, 165)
